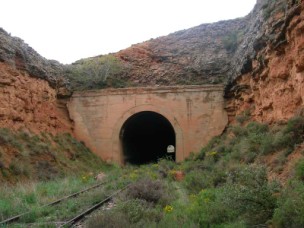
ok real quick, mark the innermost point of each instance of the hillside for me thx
(252, 175)
(259, 58)
(35, 129)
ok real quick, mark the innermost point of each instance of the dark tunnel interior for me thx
(145, 137)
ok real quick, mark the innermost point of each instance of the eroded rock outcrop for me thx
(29, 89)
(194, 56)
(16, 53)
(30, 103)
(273, 89)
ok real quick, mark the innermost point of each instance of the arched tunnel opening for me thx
(145, 138)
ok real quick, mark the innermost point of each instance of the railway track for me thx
(80, 216)
(76, 218)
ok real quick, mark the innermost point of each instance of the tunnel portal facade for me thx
(138, 125)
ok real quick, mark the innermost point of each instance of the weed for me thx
(249, 194)
(153, 191)
(46, 171)
(109, 219)
(290, 210)
(300, 170)
(243, 117)
(294, 131)
(100, 72)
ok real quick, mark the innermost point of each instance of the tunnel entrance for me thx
(145, 137)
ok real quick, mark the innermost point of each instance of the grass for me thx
(97, 73)
(225, 185)
(43, 157)
(30, 196)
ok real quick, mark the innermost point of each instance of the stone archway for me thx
(117, 143)
(196, 113)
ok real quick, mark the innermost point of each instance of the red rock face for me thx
(273, 91)
(30, 103)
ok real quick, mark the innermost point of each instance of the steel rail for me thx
(14, 218)
(80, 216)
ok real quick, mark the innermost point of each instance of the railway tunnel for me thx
(145, 137)
(136, 125)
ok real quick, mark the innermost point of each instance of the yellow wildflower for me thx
(211, 153)
(168, 208)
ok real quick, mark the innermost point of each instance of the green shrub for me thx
(109, 219)
(17, 168)
(300, 170)
(133, 213)
(46, 170)
(290, 210)
(243, 117)
(257, 128)
(249, 194)
(196, 180)
(201, 178)
(294, 131)
(165, 166)
(207, 208)
(7, 137)
(291, 135)
(153, 191)
(239, 131)
(213, 143)
(95, 73)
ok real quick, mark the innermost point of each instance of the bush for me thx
(109, 219)
(250, 196)
(257, 128)
(132, 213)
(95, 73)
(165, 166)
(290, 209)
(300, 170)
(208, 210)
(239, 131)
(199, 179)
(243, 117)
(153, 191)
(294, 131)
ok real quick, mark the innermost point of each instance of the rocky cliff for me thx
(258, 57)
(206, 54)
(195, 56)
(209, 53)
(272, 90)
(29, 89)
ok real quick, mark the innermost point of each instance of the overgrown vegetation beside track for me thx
(235, 181)
(227, 185)
(28, 156)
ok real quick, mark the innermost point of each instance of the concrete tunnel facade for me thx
(135, 125)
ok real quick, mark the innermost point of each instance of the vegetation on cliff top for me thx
(96, 73)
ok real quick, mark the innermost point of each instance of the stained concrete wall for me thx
(196, 113)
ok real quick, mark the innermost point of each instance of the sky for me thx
(68, 30)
